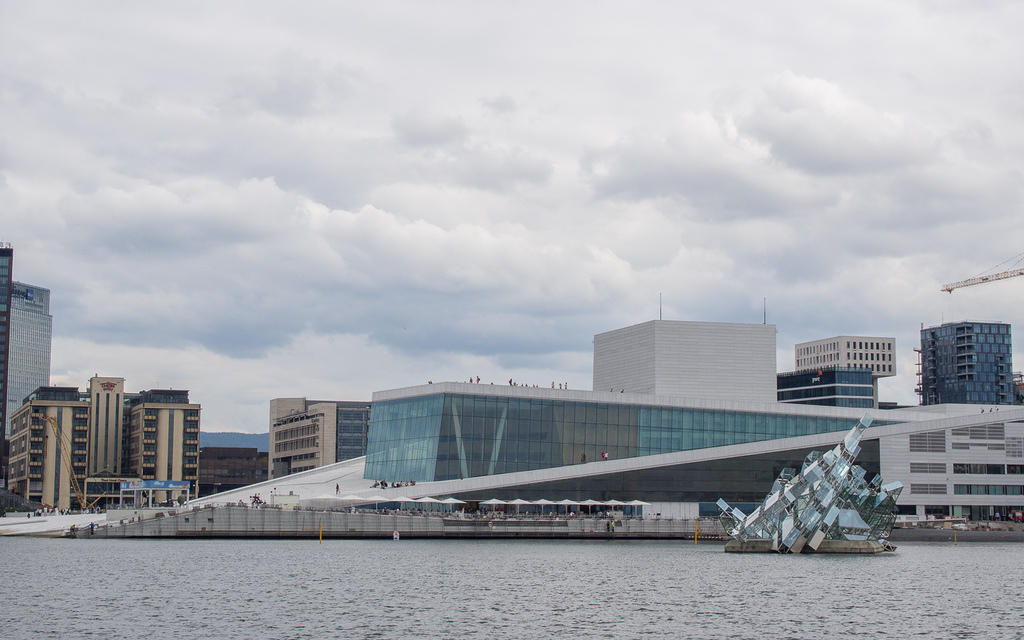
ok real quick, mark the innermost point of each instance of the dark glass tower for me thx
(6, 267)
(967, 363)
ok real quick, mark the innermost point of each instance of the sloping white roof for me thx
(348, 475)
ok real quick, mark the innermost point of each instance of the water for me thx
(500, 589)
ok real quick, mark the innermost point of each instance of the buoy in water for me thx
(394, 535)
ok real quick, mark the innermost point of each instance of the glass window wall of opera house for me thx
(445, 436)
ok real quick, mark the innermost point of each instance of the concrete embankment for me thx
(922, 534)
(239, 522)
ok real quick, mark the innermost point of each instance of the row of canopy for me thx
(492, 502)
(588, 502)
(383, 498)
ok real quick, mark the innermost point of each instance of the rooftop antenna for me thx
(659, 305)
(764, 310)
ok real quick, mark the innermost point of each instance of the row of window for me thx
(968, 468)
(988, 489)
(302, 443)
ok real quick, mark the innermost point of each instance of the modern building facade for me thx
(6, 269)
(872, 352)
(832, 386)
(710, 360)
(106, 398)
(40, 453)
(875, 353)
(227, 468)
(680, 455)
(162, 437)
(102, 435)
(967, 363)
(305, 434)
(31, 327)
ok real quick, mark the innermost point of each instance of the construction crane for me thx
(66, 460)
(991, 277)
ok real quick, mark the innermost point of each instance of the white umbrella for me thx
(517, 502)
(493, 501)
(543, 502)
(567, 503)
(403, 499)
(638, 503)
(614, 503)
(589, 503)
(452, 502)
(428, 500)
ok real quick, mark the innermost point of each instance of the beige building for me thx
(106, 398)
(162, 440)
(104, 435)
(40, 453)
(302, 435)
(871, 352)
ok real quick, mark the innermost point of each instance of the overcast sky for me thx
(258, 200)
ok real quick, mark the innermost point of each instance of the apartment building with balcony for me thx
(966, 363)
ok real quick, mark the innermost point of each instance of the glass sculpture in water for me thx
(829, 499)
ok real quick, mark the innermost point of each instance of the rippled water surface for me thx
(499, 589)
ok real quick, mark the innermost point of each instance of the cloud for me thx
(813, 125)
(421, 130)
(277, 202)
(706, 162)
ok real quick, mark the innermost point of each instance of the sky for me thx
(254, 200)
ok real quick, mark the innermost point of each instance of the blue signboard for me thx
(137, 485)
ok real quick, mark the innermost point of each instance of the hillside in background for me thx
(234, 439)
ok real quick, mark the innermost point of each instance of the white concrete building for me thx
(872, 352)
(709, 360)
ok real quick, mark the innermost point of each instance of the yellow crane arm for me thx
(66, 459)
(970, 282)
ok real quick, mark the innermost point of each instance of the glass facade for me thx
(967, 363)
(449, 436)
(832, 386)
(6, 266)
(31, 334)
(353, 424)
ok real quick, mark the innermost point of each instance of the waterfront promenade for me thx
(243, 522)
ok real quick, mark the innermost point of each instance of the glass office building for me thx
(31, 337)
(828, 386)
(446, 436)
(967, 363)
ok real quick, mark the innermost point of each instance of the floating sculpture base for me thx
(827, 546)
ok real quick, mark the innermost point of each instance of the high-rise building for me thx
(305, 434)
(31, 335)
(967, 363)
(106, 396)
(6, 266)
